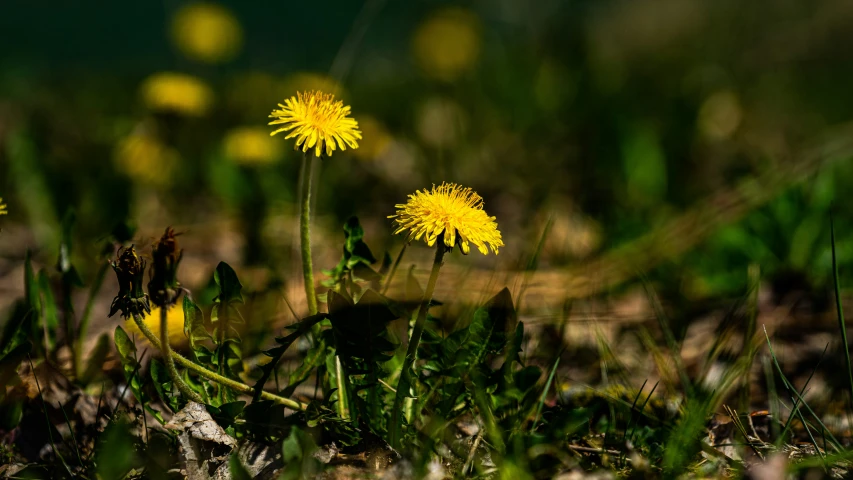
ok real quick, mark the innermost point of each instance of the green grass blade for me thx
(841, 324)
(793, 391)
(544, 394)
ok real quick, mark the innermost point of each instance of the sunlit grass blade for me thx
(675, 350)
(544, 394)
(796, 407)
(794, 393)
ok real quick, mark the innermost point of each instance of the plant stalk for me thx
(405, 382)
(306, 180)
(170, 362)
(233, 384)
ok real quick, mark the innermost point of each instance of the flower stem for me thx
(233, 384)
(306, 179)
(170, 362)
(405, 382)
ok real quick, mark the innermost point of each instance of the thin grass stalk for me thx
(842, 325)
(793, 391)
(544, 395)
(47, 419)
(396, 427)
(232, 384)
(796, 406)
(394, 268)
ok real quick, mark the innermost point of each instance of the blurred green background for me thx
(601, 119)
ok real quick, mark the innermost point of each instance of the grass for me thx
(483, 404)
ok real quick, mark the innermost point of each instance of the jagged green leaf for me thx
(301, 328)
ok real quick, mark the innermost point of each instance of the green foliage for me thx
(227, 355)
(340, 430)
(116, 453)
(355, 270)
(131, 367)
(299, 329)
(297, 452)
(238, 471)
(194, 328)
(163, 385)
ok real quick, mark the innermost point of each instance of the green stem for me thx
(233, 384)
(170, 362)
(411, 352)
(342, 392)
(306, 179)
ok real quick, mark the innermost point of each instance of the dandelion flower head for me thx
(317, 121)
(453, 210)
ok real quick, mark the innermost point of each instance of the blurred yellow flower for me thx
(447, 43)
(376, 139)
(453, 210)
(317, 121)
(3, 210)
(251, 146)
(307, 81)
(144, 158)
(207, 32)
(176, 93)
(174, 320)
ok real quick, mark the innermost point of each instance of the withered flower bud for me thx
(164, 287)
(131, 299)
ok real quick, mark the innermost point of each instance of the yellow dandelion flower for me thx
(317, 121)
(176, 93)
(174, 319)
(251, 146)
(207, 32)
(453, 210)
(3, 210)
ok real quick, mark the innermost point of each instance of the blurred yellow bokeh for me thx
(174, 320)
(144, 158)
(375, 139)
(251, 146)
(447, 43)
(307, 81)
(207, 32)
(171, 92)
